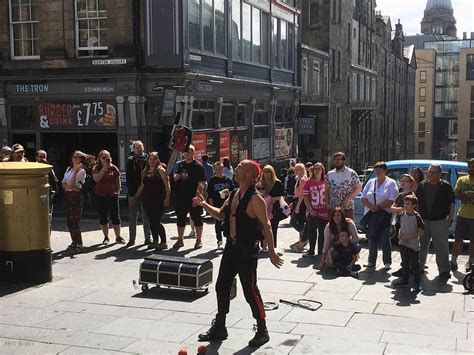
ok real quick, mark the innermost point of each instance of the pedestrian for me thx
(274, 189)
(6, 152)
(156, 191)
(107, 189)
(406, 184)
(378, 197)
(228, 170)
(290, 184)
(337, 223)
(42, 157)
(411, 229)
(135, 165)
(308, 166)
(190, 178)
(418, 177)
(345, 255)
(343, 186)
(208, 169)
(17, 153)
(244, 211)
(464, 192)
(73, 180)
(298, 216)
(218, 190)
(317, 214)
(436, 207)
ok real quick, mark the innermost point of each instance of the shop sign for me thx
(283, 142)
(61, 88)
(306, 125)
(32, 88)
(261, 148)
(86, 115)
(169, 103)
(232, 144)
(117, 61)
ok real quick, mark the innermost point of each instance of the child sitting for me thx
(411, 229)
(344, 256)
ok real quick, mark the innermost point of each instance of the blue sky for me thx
(410, 13)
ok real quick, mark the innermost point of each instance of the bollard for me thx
(25, 246)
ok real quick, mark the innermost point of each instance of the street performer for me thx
(245, 214)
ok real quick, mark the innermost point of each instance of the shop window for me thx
(206, 25)
(261, 116)
(227, 115)
(204, 114)
(23, 117)
(243, 115)
(24, 28)
(91, 28)
(261, 132)
(288, 113)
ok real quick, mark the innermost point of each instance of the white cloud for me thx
(410, 13)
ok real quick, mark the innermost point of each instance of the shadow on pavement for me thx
(7, 288)
(89, 249)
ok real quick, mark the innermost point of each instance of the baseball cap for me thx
(6, 149)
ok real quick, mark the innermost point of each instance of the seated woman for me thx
(337, 223)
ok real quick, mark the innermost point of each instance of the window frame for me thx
(316, 82)
(423, 76)
(76, 29)
(422, 112)
(316, 5)
(12, 33)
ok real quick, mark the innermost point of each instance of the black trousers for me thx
(154, 209)
(234, 263)
(410, 262)
(315, 230)
(219, 229)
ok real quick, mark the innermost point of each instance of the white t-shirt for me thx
(388, 190)
(80, 178)
(341, 183)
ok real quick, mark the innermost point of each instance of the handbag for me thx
(281, 212)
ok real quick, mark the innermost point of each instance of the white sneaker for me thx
(220, 245)
(192, 233)
(387, 266)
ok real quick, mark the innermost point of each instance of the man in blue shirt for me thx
(208, 169)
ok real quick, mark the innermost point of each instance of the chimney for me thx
(464, 35)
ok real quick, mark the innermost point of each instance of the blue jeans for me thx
(134, 209)
(385, 245)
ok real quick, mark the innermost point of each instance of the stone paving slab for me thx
(424, 341)
(76, 321)
(24, 332)
(337, 345)
(13, 346)
(92, 340)
(77, 350)
(395, 349)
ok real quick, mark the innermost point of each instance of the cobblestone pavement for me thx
(92, 307)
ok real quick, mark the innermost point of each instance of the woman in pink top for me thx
(298, 217)
(317, 213)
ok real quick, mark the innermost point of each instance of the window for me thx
(227, 115)
(471, 129)
(470, 67)
(338, 120)
(236, 30)
(316, 78)
(246, 32)
(361, 88)
(367, 88)
(422, 94)
(333, 63)
(304, 75)
(206, 25)
(259, 36)
(326, 79)
(275, 44)
(354, 86)
(283, 48)
(453, 129)
(422, 111)
(24, 25)
(472, 93)
(423, 76)
(374, 90)
(470, 149)
(421, 129)
(349, 39)
(279, 114)
(284, 43)
(313, 13)
(243, 114)
(91, 28)
(23, 117)
(338, 65)
(421, 147)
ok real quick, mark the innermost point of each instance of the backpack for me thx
(87, 189)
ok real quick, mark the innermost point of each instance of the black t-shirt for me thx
(217, 184)
(191, 174)
(345, 254)
(276, 191)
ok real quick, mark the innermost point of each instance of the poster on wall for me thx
(224, 149)
(261, 148)
(238, 146)
(212, 146)
(199, 142)
(283, 142)
(86, 115)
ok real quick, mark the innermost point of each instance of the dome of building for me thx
(432, 4)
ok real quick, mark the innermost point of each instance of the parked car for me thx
(452, 170)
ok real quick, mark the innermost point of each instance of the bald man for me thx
(245, 215)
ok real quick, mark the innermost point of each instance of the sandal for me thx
(178, 244)
(119, 240)
(198, 245)
(106, 241)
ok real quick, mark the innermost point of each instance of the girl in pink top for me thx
(317, 213)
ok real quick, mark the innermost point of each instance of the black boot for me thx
(261, 336)
(218, 331)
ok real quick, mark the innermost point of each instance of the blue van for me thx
(452, 170)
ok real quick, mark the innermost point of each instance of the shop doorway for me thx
(28, 141)
(60, 147)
